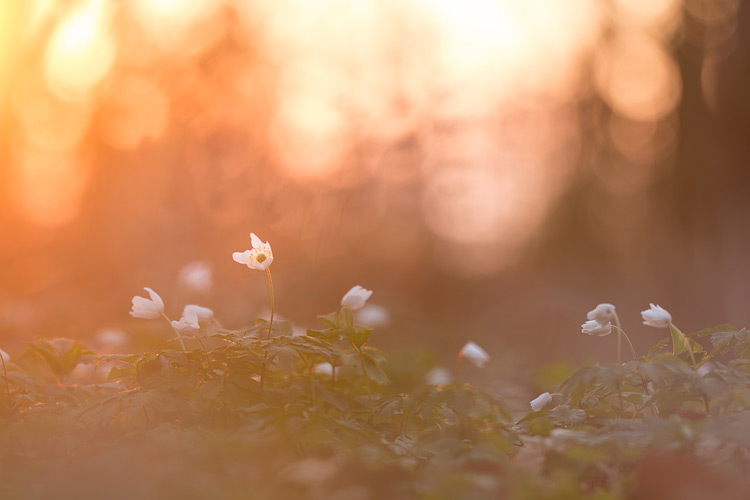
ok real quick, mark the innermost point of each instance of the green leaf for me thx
(332, 319)
(360, 336)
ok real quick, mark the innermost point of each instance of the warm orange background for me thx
(491, 169)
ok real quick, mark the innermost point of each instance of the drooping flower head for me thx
(593, 327)
(603, 313)
(5, 355)
(656, 316)
(147, 308)
(475, 354)
(260, 257)
(187, 324)
(198, 311)
(355, 298)
(540, 401)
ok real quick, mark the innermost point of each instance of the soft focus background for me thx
(492, 169)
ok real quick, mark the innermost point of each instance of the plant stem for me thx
(627, 339)
(270, 327)
(619, 338)
(208, 358)
(270, 286)
(364, 372)
(7, 385)
(684, 340)
(179, 335)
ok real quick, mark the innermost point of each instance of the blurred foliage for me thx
(250, 413)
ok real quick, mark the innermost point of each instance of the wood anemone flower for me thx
(147, 308)
(260, 257)
(356, 298)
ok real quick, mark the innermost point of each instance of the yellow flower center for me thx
(261, 258)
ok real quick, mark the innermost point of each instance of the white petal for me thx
(540, 401)
(475, 354)
(241, 257)
(199, 311)
(155, 298)
(255, 240)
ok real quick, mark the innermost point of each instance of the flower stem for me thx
(627, 339)
(459, 366)
(208, 358)
(364, 372)
(7, 385)
(179, 335)
(673, 329)
(619, 338)
(268, 336)
(270, 286)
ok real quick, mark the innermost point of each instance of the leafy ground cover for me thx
(271, 413)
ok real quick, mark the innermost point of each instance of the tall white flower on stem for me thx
(475, 354)
(151, 309)
(599, 324)
(540, 401)
(260, 258)
(187, 324)
(147, 308)
(198, 311)
(356, 298)
(595, 328)
(656, 316)
(603, 313)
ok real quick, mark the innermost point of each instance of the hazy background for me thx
(492, 169)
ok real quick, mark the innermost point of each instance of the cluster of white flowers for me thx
(260, 257)
(599, 320)
(154, 308)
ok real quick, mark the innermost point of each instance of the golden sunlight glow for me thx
(50, 123)
(135, 108)
(49, 185)
(637, 77)
(179, 27)
(662, 16)
(81, 51)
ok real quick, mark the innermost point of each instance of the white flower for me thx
(323, 369)
(475, 354)
(199, 311)
(187, 324)
(260, 257)
(656, 316)
(373, 316)
(603, 313)
(145, 308)
(112, 337)
(706, 368)
(438, 376)
(197, 276)
(5, 355)
(593, 327)
(356, 298)
(540, 401)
